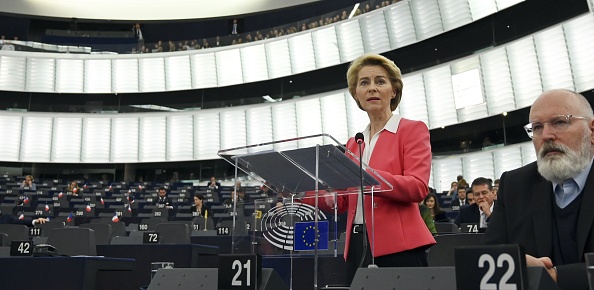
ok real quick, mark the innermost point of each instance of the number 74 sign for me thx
(494, 267)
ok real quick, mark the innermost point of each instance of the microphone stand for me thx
(359, 139)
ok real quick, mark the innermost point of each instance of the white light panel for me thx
(482, 8)
(151, 74)
(454, 13)
(96, 140)
(204, 70)
(259, 127)
(284, 119)
(427, 18)
(334, 117)
(525, 72)
(357, 119)
(497, 81)
(41, 74)
(445, 170)
(253, 63)
(507, 158)
(401, 26)
(411, 106)
(229, 67)
(440, 97)
(528, 152)
(66, 140)
(152, 138)
(350, 40)
(278, 58)
(375, 33)
(177, 73)
(476, 165)
(233, 129)
(302, 53)
(69, 75)
(125, 75)
(97, 76)
(553, 59)
(10, 126)
(124, 139)
(180, 137)
(579, 34)
(36, 139)
(326, 47)
(309, 121)
(207, 135)
(12, 73)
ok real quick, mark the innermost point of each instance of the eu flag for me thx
(304, 237)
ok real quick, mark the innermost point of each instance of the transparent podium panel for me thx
(293, 213)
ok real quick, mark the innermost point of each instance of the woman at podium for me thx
(399, 150)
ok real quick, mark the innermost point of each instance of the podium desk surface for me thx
(60, 272)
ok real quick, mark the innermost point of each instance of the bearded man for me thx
(546, 206)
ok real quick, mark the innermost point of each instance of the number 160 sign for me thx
(496, 267)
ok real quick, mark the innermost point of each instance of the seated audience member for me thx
(214, 185)
(10, 219)
(427, 218)
(470, 197)
(199, 205)
(240, 195)
(437, 214)
(461, 200)
(266, 191)
(480, 211)
(496, 187)
(453, 188)
(73, 188)
(546, 206)
(28, 183)
(163, 201)
(7, 45)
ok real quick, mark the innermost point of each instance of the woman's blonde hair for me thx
(368, 59)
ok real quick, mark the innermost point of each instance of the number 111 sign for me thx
(496, 267)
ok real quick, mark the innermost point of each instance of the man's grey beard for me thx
(558, 168)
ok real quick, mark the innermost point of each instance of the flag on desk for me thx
(60, 194)
(304, 237)
(22, 217)
(129, 208)
(26, 200)
(47, 207)
(102, 201)
(88, 208)
(69, 218)
(115, 218)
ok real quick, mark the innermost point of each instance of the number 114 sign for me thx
(493, 267)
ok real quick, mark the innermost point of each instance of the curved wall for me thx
(386, 29)
(143, 9)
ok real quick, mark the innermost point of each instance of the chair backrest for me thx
(4, 240)
(240, 226)
(15, 232)
(153, 222)
(73, 241)
(123, 240)
(446, 228)
(173, 233)
(118, 229)
(442, 253)
(199, 221)
(102, 232)
(47, 228)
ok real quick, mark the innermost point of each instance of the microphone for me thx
(359, 139)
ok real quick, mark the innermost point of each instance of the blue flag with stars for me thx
(304, 237)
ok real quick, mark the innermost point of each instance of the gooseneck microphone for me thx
(359, 138)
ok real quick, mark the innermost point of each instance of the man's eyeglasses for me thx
(557, 124)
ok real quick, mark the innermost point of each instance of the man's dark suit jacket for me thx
(456, 202)
(523, 215)
(468, 215)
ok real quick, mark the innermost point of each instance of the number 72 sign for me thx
(496, 267)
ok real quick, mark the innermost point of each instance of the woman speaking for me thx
(399, 150)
